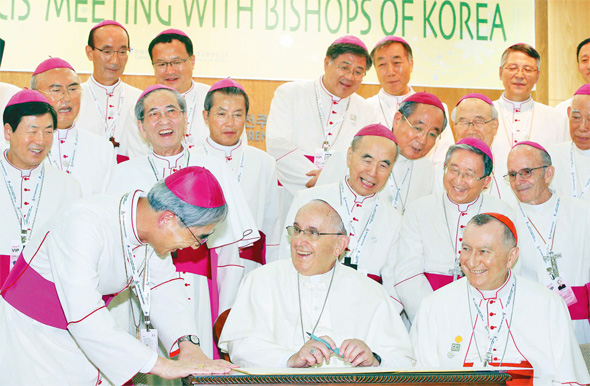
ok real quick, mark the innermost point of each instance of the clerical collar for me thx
(23, 172)
(323, 277)
(62, 134)
(108, 89)
(172, 159)
(184, 94)
(462, 207)
(401, 159)
(332, 96)
(584, 153)
(130, 217)
(358, 199)
(227, 149)
(516, 105)
(388, 98)
(498, 293)
(545, 206)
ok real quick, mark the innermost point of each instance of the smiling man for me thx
(85, 156)
(495, 318)
(373, 223)
(432, 228)
(357, 318)
(107, 102)
(161, 115)
(521, 118)
(572, 159)
(31, 191)
(95, 249)
(553, 232)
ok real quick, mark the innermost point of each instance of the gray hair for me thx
(35, 80)
(488, 165)
(356, 143)
(494, 112)
(336, 222)
(406, 108)
(162, 199)
(140, 108)
(525, 49)
(507, 237)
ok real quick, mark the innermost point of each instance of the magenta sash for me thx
(255, 252)
(4, 268)
(437, 280)
(33, 295)
(580, 309)
(377, 278)
(122, 158)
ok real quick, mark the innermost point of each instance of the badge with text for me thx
(455, 347)
(563, 289)
(15, 249)
(149, 338)
(321, 157)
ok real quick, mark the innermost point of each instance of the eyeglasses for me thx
(523, 173)
(527, 70)
(477, 123)
(58, 93)
(154, 115)
(173, 63)
(468, 177)
(419, 130)
(346, 69)
(223, 116)
(107, 52)
(198, 240)
(311, 234)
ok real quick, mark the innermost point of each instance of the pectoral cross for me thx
(456, 271)
(551, 258)
(115, 143)
(23, 236)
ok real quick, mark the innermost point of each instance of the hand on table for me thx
(311, 353)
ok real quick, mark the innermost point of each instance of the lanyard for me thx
(109, 128)
(188, 158)
(492, 336)
(397, 189)
(240, 166)
(190, 113)
(24, 220)
(141, 285)
(324, 122)
(355, 254)
(59, 165)
(574, 176)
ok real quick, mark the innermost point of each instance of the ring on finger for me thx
(312, 350)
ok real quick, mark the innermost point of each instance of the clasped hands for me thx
(354, 351)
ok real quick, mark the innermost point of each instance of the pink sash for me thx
(256, 252)
(122, 158)
(437, 280)
(33, 295)
(4, 268)
(378, 279)
(580, 310)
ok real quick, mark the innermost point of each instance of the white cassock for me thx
(237, 230)
(430, 242)
(264, 327)
(303, 116)
(409, 179)
(109, 111)
(450, 322)
(83, 155)
(386, 105)
(374, 229)
(79, 259)
(7, 90)
(572, 170)
(525, 121)
(569, 240)
(196, 130)
(562, 108)
(256, 174)
(27, 201)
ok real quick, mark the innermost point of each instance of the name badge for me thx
(321, 156)
(563, 289)
(15, 249)
(149, 338)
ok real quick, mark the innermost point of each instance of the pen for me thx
(312, 336)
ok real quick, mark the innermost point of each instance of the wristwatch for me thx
(190, 338)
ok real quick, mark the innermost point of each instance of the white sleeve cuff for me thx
(150, 364)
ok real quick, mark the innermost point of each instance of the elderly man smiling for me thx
(496, 318)
(281, 303)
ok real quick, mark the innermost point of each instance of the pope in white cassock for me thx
(583, 61)
(521, 118)
(54, 325)
(432, 228)
(373, 224)
(85, 156)
(211, 275)
(106, 108)
(31, 192)
(310, 120)
(572, 159)
(281, 304)
(416, 126)
(226, 107)
(553, 231)
(493, 317)
(475, 116)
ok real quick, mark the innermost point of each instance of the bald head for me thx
(530, 173)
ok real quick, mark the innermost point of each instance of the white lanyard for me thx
(388, 113)
(397, 189)
(324, 122)
(493, 337)
(24, 220)
(355, 254)
(574, 176)
(240, 166)
(59, 165)
(142, 290)
(190, 113)
(188, 158)
(109, 128)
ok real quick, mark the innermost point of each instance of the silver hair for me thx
(494, 112)
(35, 80)
(357, 140)
(525, 49)
(140, 108)
(407, 108)
(161, 199)
(488, 165)
(336, 222)
(508, 238)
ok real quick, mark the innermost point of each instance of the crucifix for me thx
(551, 257)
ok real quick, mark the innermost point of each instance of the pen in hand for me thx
(317, 339)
